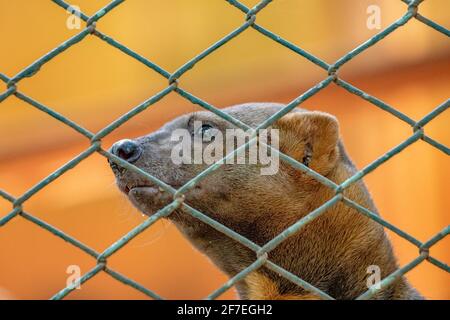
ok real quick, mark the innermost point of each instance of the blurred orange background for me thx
(93, 83)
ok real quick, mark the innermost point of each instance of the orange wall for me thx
(93, 84)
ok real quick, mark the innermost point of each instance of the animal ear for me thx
(311, 138)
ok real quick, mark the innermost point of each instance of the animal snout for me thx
(127, 150)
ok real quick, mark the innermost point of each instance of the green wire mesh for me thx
(262, 259)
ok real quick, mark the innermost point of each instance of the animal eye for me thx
(207, 132)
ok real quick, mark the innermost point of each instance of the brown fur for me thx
(260, 287)
(332, 252)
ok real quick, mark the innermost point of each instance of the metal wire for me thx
(262, 259)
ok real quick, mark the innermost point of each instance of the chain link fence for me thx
(249, 17)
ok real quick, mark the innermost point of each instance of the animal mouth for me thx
(147, 198)
(129, 187)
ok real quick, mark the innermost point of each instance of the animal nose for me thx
(127, 149)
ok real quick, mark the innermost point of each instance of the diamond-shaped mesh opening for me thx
(51, 258)
(25, 23)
